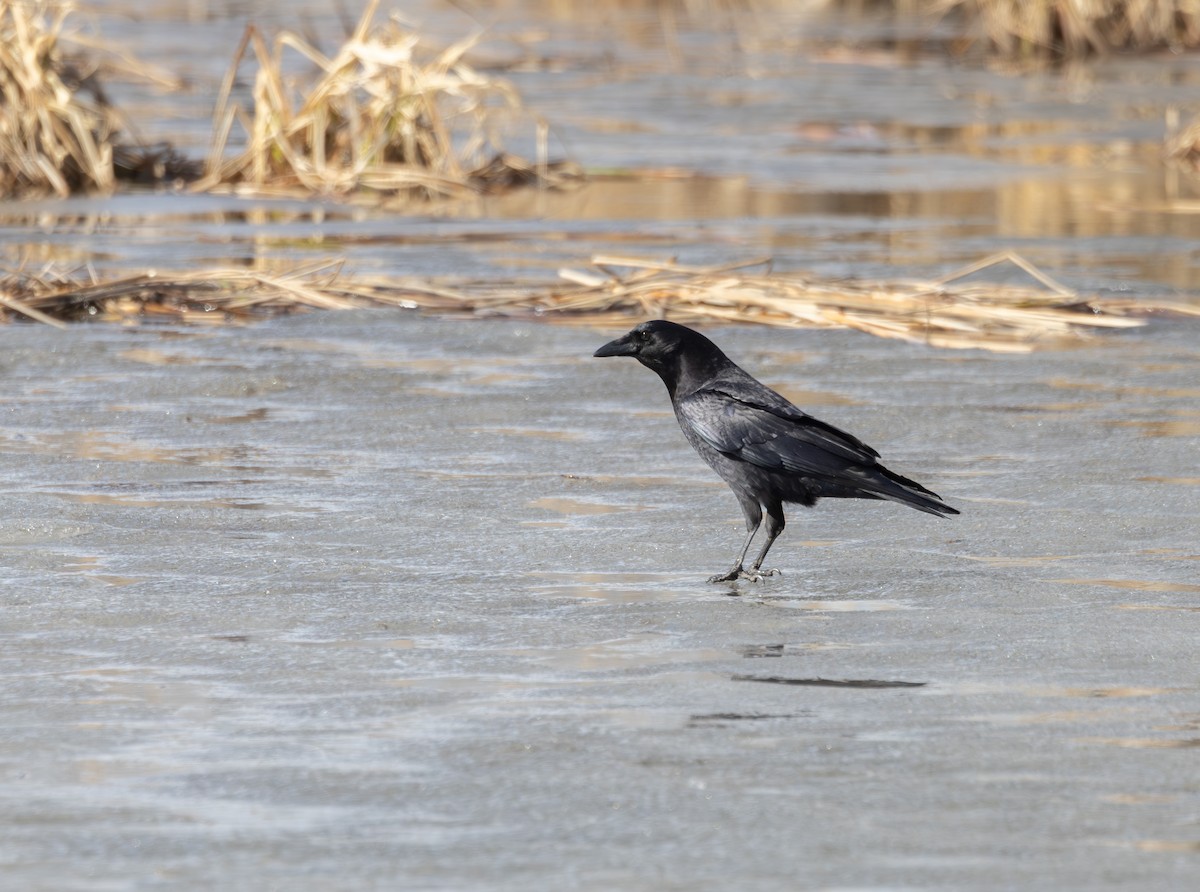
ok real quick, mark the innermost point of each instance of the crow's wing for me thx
(778, 437)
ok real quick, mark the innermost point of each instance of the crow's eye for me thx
(643, 336)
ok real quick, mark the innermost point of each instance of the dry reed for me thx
(381, 116)
(56, 132)
(1182, 143)
(1038, 29)
(946, 312)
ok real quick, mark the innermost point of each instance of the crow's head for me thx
(663, 347)
(651, 342)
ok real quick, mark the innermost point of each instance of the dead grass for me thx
(56, 133)
(1182, 143)
(948, 312)
(383, 116)
(1021, 31)
(1072, 29)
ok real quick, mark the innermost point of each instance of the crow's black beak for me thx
(623, 346)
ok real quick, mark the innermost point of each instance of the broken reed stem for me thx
(947, 312)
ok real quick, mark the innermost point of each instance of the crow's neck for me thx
(687, 373)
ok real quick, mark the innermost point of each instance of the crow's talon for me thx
(734, 574)
(738, 573)
(759, 575)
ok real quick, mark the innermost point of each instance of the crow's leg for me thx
(753, 512)
(775, 525)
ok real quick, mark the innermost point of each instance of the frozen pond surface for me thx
(368, 601)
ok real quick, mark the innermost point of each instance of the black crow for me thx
(767, 450)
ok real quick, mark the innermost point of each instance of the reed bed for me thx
(382, 116)
(1017, 30)
(1182, 143)
(56, 131)
(951, 312)
(1072, 29)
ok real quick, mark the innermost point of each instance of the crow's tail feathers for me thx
(885, 484)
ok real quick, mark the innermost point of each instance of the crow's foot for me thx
(739, 572)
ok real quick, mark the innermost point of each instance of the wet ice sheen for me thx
(395, 655)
